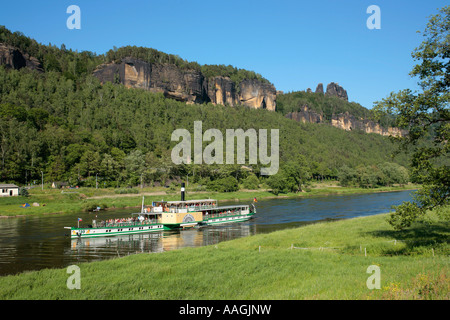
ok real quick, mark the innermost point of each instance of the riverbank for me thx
(57, 201)
(327, 260)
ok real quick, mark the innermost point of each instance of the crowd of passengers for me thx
(225, 213)
(124, 222)
(191, 207)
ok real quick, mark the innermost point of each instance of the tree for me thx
(291, 177)
(347, 176)
(227, 184)
(90, 163)
(134, 166)
(426, 116)
(251, 182)
(109, 168)
(298, 174)
(280, 182)
(367, 176)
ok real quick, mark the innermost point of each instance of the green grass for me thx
(53, 201)
(320, 261)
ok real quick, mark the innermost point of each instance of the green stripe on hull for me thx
(234, 219)
(112, 233)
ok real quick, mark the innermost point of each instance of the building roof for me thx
(8, 185)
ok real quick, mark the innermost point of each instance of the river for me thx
(34, 243)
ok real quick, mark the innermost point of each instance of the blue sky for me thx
(294, 44)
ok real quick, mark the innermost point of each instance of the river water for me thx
(33, 243)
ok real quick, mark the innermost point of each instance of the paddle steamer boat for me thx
(167, 215)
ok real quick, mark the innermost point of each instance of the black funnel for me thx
(182, 191)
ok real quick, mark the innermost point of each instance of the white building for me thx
(8, 190)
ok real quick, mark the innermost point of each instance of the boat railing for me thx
(106, 224)
(223, 214)
(189, 209)
(204, 207)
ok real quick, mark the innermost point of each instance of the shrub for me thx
(23, 192)
(228, 184)
(251, 182)
(126, 190)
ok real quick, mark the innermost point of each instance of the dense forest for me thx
(63, 124)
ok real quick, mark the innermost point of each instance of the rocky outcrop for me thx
(333, 89)
(345, 121)
(319, 88)
(182, 85)
(188, 85)
(221, 90)
(349, 122)
(305, 115)
(255, 94)
(12, 57)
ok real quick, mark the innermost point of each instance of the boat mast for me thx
(182, 191)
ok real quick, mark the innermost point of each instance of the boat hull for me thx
(113, 231)
(228, 219)
(186, 225)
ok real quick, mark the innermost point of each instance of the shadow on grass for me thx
(420, 238)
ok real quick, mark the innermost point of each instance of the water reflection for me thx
(91, 249)
(87, 249)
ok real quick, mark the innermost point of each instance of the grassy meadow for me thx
(327, 260)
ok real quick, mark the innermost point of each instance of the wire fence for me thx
(364, 247)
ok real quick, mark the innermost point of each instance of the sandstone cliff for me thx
(13, 58)
(221, 90)
(186, 85)
(345, 121)
(257, 95)
(348, 122)
(182, 85)
(305, 115)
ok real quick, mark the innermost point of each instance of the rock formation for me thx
(345, 121)
(182, 85)
(349, 122)
(333, 89)
(305, 115)
(319, 88)
(186, 85)
(255, 94)
(13, 58)
(221, 90)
